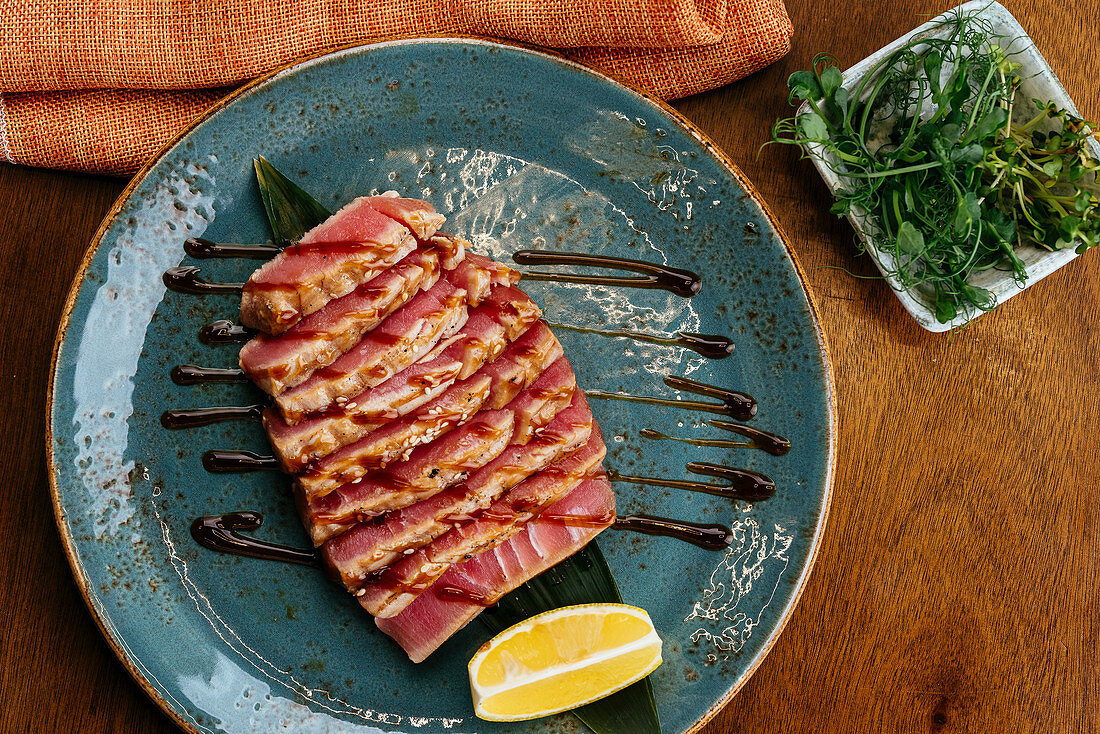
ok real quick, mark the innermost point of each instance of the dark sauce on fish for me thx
(661, 277)
(189, 374)
(201, 249)
(224, 331)
(219, 533)
(193, 417)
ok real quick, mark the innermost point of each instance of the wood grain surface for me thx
(957, 586)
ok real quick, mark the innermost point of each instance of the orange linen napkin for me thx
(100, 85)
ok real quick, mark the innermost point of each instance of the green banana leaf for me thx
(290, 210)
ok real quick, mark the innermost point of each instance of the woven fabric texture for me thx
(100, 85)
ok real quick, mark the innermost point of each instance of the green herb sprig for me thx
(932, 145)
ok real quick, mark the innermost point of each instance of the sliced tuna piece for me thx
(467, 588)
(387, 593)
(477, 274)
(296, 446)
(547, 396)
(489, 329)
(429, 470)
(480, 341)
(452, 249)
(523, 362)
(346, 250)
(371, 546)
(276, 363)
(534, 407)
(398, 342)
(393, 441)
(416, 214)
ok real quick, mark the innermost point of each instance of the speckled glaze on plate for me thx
(519, 148)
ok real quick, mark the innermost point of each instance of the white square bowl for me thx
(1038, 82)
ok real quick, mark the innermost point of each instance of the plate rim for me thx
(723, 158)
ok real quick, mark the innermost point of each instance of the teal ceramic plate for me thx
(520, 149)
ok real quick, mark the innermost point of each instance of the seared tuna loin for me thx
(388, 592)
(419, 216)
(426, 470)
(398, 342)
(276, 363)
(441, 450)
(483, 337)
(296, 446)
(391, 442)
(430, 469)
(346, 250)
(371, 546)
(467, 588)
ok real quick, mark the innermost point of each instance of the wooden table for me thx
(957, 586)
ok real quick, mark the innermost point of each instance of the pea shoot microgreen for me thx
(956, 171)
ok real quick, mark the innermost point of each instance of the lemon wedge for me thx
(562, 659)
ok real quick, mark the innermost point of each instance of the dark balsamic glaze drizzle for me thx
(185, 279)
(218, 533)
(194, 417)
(734, 404)
(661, 277)
(201, 249)
(224, 331)
(218, 461)
(770, 442)
(711, 346)
(773, 444)
(705, 535)
(741, 405)
(716, 442)
(740, 484)
(752, 485)
(189, 374)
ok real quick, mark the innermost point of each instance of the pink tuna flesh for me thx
(346, 250)
(416, 214)
(537, 405)
(430, 469)
(276, 363)
(522, 363)
(477, 274)
(394, 588)
(467, 588)
(296, 446)
(398, 342)
(480, 341)
(388, 443)
(371, 546)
